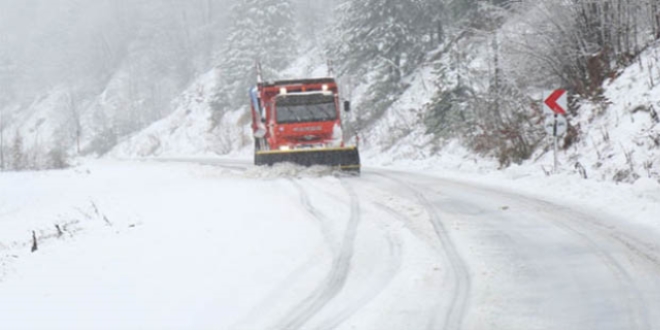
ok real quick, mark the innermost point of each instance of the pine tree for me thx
(459, 8)
(277, 34)
(387, 32)
(262, 31)
(2, 139)
(313, 18)
(242, 53)
(19, 161)
(432, 19)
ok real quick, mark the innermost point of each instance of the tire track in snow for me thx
(376, 285)
(593, 234)
(637, 313)
(588, 230)
(324, 222)
(334, 282)
(635, 303)
(453, 316)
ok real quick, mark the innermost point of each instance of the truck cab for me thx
(299, 121)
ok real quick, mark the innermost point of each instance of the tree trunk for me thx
(496, 80)
(35, 245)
(441, 32)
(2, 142)
(656, 18)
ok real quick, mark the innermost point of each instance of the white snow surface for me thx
(142, 246)
(624, 136)
(183, 245)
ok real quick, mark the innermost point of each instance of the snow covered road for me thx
(217, 244)
(537, 265)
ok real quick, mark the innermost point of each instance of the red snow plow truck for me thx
(299, 121)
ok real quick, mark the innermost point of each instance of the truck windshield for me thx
(305, 108)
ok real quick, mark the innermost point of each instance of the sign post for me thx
(556, 103)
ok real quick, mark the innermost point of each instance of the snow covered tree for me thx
(7, 80)
(74, 114)
(237, 67)
(314, 17)
(277, 34)
(18, 158)
(262, 31)
(581, 43)
(386, 33)
(385, 41)
(2, 139)
(434, 18)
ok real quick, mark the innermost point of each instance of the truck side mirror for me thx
(347, 106)
(263, 120)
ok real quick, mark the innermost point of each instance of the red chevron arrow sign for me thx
(556, 101)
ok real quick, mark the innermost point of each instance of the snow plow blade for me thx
(345, 159)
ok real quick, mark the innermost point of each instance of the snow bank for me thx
(163, 246)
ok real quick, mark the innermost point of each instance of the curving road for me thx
(411, 251)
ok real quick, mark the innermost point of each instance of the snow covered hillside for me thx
(617, 141)
(620, 135)
(191, 129)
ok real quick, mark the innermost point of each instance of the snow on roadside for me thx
(175, 246)
(635, 205)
